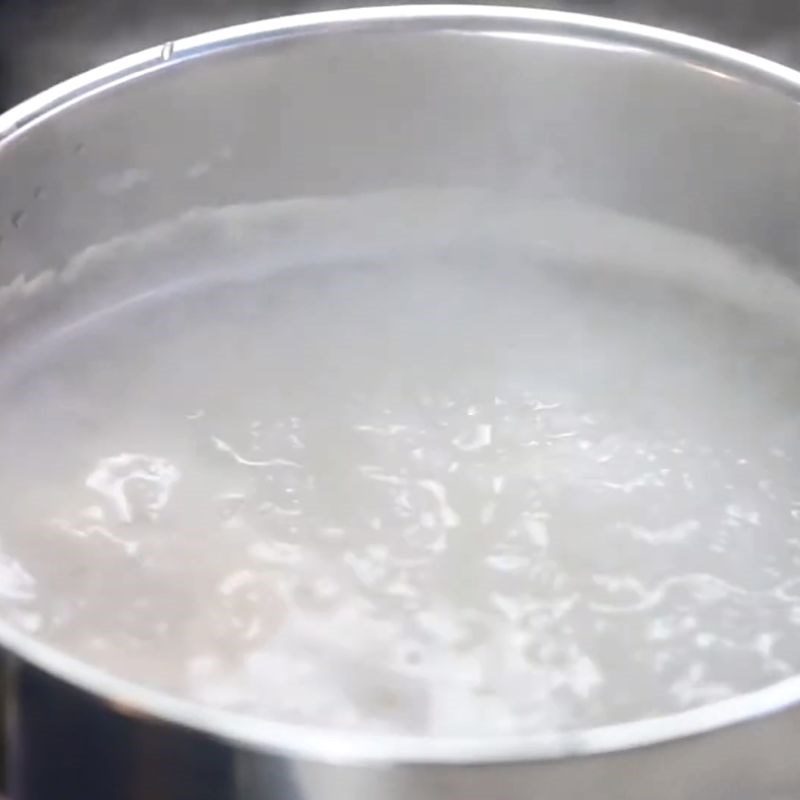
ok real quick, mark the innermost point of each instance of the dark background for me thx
(44, 41)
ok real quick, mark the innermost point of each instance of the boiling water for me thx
(453, 490)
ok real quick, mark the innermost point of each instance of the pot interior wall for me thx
(539, 115)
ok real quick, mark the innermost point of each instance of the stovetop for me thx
(44, 41)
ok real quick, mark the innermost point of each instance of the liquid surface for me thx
(466, 491)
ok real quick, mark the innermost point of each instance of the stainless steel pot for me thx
(634, 119)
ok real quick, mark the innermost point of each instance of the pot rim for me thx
(330, 745)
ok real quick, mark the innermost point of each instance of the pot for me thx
(540, 105)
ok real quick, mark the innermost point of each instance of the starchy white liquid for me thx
(472, 489)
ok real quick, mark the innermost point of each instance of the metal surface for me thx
(543, 104)
(45, 41)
